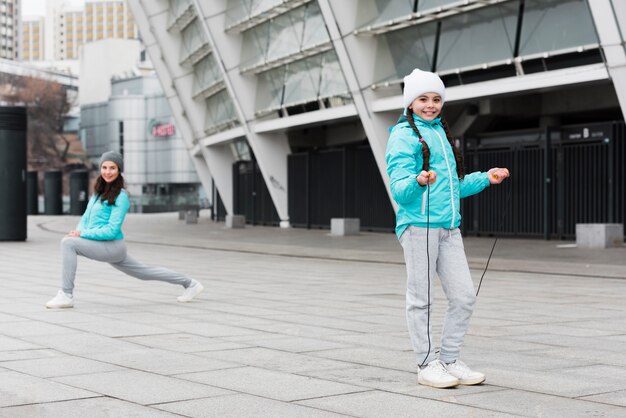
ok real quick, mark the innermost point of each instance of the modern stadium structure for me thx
(285, 105)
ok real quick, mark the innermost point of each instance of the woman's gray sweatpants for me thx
(114, 253)
(447, 258)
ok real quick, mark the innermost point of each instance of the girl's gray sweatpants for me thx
(114, 253)
(447, 259)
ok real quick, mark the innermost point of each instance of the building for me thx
(97, 20)
(286, 104)
(125, 110)
(33, 38)
(10, 29)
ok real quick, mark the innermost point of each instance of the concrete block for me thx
(235, 221)
(599, 235)
(191, 217)
(345, 226)
(181, 215)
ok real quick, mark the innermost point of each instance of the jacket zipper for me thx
(445, 156)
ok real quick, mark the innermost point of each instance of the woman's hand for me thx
(497, 175)
(426, 177)
(73, 233)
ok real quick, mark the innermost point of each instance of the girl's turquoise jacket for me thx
(103, 222)
(441, 207)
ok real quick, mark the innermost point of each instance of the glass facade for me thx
(463, 40)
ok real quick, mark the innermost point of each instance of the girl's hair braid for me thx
(460, 170)
(425, 149)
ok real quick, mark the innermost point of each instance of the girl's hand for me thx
(73, 233)
(426, 177)
(497, 175)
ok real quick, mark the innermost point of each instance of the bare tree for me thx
(47, 104)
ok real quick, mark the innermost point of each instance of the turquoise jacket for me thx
(103, 222)
(441, 207)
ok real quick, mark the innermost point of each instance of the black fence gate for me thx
(559, 177)
(251, 197)
(338, 183)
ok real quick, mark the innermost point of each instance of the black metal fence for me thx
(251, 197)
(337, 183)
(559, 177)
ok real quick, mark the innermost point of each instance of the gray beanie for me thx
(114, 156)
(420, 82)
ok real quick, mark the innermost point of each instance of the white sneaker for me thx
(465, 375)
(61, 300)
(191, 292)
(435, 374)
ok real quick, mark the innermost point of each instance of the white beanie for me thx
(420, 82)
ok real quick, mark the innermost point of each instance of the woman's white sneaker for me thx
(435, 374)
(191, 292)
(61, 300)
(465, 375)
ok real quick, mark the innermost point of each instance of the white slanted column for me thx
(270, 149)
(610, 20)
(357, 62)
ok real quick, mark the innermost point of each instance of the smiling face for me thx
(427, 106)
(109, 171)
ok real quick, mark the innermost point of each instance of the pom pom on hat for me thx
(115, 157)
(420, 82)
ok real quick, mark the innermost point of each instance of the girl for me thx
(427, 181)
(99, 236)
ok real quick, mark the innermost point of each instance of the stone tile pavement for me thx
(297, 323)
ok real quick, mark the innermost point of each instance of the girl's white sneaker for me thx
(435, 374)
(465, 375)
(191, 292)
(61, 300)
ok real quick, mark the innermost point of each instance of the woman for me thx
(99, 236)
(427, 181)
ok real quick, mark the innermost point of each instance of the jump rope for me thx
(493, 247)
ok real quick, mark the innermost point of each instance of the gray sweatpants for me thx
(114, 253)
(447, 259)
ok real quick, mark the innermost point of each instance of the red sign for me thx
(166, 129)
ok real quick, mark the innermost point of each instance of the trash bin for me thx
(53, 192)
(32, 193)
(13, 173)
(79, 184)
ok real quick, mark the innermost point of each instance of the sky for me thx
(38, 7)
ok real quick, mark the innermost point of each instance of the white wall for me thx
(101, 60)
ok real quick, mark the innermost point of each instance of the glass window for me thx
(255, 44)
(551, 25)
(193, 39)
(284, 37)
(383, 11)
(314, 27)
(409, 48)
(332, 83)
(302, 81)
(426, 5)
(270, 89)
(481, 36)
(220, 112)
(206, 73)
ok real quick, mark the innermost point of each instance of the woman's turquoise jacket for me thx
(438, 207)
(103, 222)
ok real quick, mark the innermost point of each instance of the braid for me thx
(425, 149)
(460, 170)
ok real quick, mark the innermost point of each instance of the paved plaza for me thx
(299, 323)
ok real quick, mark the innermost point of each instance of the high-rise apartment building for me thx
(286, 104)
(10, 29)
(95, 21)
(33, 38)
